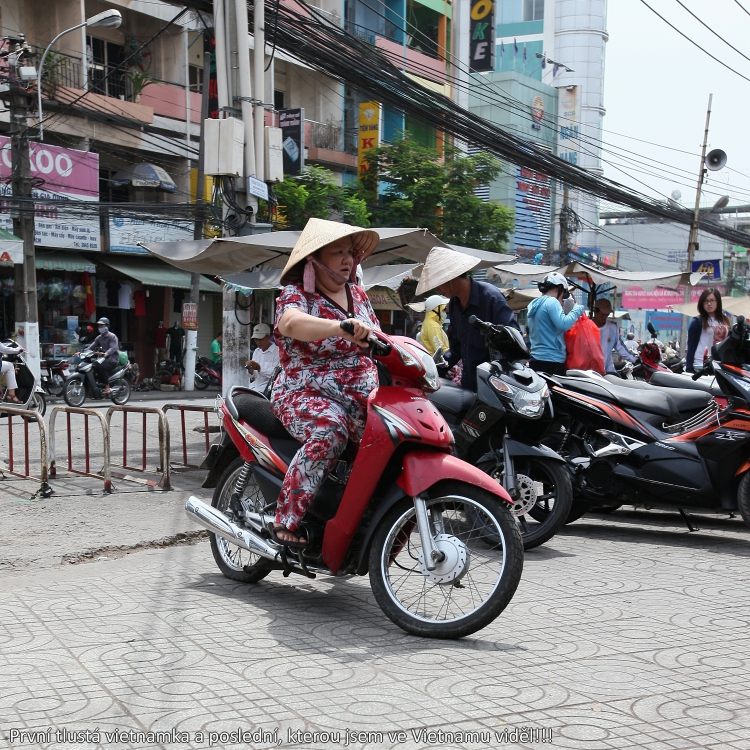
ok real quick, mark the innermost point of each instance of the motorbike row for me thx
(449, 486)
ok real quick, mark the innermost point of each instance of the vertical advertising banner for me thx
(569, 118)
(292, 124)
(482, 39)
(369, 132)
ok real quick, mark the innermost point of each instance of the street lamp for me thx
(107, 18)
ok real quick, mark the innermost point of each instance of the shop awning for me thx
(150, 274)
(64, 261)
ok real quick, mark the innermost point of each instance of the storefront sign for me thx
(661, 298)
(533, 212)
(65, 174)
(369, 132)
(291, 122)
(11, 249)
(482, 39)
(190, 316)
(125, 233)
(711, 269)
(383, 299)
(569, 135)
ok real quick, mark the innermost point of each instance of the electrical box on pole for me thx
(224, 145)
(274, 155)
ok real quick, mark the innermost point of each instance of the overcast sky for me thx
(656, 88)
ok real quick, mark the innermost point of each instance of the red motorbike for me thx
(435, 534)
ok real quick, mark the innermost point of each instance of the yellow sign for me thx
(369, 132)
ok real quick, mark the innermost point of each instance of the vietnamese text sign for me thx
(369, 132)
(66, 175)
(125, 233)
(482, 40)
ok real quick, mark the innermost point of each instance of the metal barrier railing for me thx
(27, 416)
(106, 471)
(164, 483)
(182, 408)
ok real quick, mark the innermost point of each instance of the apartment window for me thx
(533, 10)
(278, 99)
(104, 63)
(195, 78)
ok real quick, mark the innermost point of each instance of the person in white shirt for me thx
(610, 335)
(265, 358)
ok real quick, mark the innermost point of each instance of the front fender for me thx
(517, 448)
(422, 469)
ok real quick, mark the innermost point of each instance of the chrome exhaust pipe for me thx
(217, 523)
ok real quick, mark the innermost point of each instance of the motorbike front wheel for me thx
(74, 392)
(233, 561)
(472, 583)
(120, 391)
(545, 496)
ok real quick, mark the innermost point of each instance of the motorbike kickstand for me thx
(686, 519)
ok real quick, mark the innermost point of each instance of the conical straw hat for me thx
(443, 265)
(320, 232)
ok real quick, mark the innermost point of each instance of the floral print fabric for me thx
(320, 395)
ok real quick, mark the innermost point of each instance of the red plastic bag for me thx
(584, 346)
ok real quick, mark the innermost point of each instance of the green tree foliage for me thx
(315, 193)
(421, 190)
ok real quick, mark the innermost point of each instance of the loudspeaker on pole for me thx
(715, 159)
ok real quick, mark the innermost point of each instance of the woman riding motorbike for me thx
(8, 371)
(321, 394)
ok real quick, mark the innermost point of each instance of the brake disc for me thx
(526, 497)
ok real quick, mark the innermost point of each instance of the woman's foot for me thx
(12, 398)
(282, 535)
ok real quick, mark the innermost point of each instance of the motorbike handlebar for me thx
(377, 346)
(475, 322)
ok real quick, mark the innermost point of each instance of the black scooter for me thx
(658, 447)
(498, 429)
(81, 382)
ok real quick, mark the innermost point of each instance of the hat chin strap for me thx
(308, 276)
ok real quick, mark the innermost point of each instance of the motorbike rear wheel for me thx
(39, 403)
(74, 392)
(474, 582)
(201, 383)
(233, 561)
(120, 391)
(55, 384)
(743, 498)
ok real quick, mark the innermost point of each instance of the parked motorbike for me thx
(498, 429)
(53, 375)
(436, 535)
(206, 374)
(81, 382)
(650, 360)
(28, 392)
(658, 447)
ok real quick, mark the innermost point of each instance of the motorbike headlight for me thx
(529, 403)
(431, 377)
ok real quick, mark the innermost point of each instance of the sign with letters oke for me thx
(482, 39)
(369, 132)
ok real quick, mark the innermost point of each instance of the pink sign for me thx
(635, 297)
(61, 174)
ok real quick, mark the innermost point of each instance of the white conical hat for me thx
(320, 232)
(444, 265)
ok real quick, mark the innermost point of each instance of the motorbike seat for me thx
(452, 399)
(671, 380)
(685, 399)
(642, 399)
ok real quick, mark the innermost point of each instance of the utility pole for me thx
(564, 226)
(693, 236)
(22, 209)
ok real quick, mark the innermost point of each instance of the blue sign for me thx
(711, 269)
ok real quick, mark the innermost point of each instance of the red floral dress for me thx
(320, 395)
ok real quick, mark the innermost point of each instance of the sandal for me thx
(13, 400)
(281, 535)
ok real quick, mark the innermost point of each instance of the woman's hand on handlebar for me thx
(356, 331)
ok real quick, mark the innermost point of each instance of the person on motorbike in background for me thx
(8, 371)
(432, 335)
(320, 396)
(447, 271)
(548, 322)
(108, 343)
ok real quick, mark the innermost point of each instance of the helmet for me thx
(553, 279)
(630, 335)
(433, 301)
(103, 322)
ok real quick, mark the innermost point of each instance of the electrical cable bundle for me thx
(304, 32)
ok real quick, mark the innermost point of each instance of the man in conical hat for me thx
(321, 394)
(447, 272)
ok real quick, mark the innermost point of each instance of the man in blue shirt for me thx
(447, 271)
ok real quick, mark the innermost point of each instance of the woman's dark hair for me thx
(719, 309)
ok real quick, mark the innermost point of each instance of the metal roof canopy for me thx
(63, 261)
(150, 275)
(271, 250)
